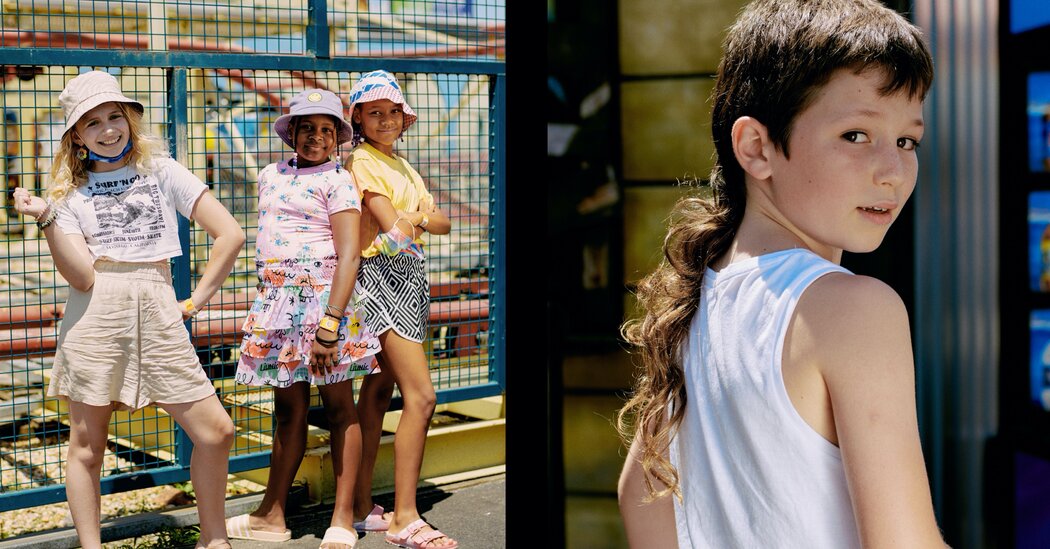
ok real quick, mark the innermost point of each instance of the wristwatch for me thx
(425, 221)
(330, 324)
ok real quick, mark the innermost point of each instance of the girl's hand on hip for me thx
(323, 359)
(28, 204)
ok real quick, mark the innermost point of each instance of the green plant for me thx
(167, 537)
(178, 537)
(186, 487)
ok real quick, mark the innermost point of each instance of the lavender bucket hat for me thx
(380, 84)
(89, 90)
(315, 101)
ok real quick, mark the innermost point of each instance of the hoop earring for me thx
(82, 153)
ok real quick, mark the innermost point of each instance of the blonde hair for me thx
(69, 172)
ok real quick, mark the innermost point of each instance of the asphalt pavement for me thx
(471, 512)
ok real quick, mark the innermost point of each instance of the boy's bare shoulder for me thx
(844, 315)
(837, 292)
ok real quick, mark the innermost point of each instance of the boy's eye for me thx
(907, 143)
(856, 137)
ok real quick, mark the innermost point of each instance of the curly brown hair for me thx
(776, 57)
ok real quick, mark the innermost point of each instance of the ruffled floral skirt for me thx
(282, 323)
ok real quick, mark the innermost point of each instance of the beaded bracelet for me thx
(48, 217)
(46, 223)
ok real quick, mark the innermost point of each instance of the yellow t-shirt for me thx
(392, 177)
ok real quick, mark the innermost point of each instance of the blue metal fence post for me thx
(497, 231)
(178, 141)
(317, 29)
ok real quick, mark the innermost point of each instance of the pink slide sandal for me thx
(374, 522)
(412, 538)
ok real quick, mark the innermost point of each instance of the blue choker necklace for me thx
(110, 159)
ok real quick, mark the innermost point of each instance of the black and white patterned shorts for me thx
(398, 295)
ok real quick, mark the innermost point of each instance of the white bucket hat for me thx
(308, 102)
(380, 84)
(88, 91)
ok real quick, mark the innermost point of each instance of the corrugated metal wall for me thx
(956, 312)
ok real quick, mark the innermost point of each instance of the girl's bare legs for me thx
(372, 404)
(87, 445)
(408, 364)
(211, 430)
(290, 406)
(346, 448)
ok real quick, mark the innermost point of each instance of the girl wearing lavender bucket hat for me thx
(111, 223)
(306, 327)
(398, 211)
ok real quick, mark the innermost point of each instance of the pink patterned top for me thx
(294, 206)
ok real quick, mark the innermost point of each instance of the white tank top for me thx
(753, 473)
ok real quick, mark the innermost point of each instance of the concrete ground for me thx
(473, 512)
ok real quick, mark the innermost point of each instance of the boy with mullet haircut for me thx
(777, 394)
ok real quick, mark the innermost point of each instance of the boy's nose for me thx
(892, 169)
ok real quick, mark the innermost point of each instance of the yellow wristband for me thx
(330, 324)
(425, 221)
(189, 307)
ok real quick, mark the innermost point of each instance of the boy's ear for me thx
(752, 147)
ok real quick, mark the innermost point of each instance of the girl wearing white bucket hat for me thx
(307, 326)
(111, 223)
(393, 272)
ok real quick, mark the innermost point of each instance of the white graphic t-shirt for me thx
(126, 216)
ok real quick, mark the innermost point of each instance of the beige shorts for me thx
(123, 342)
